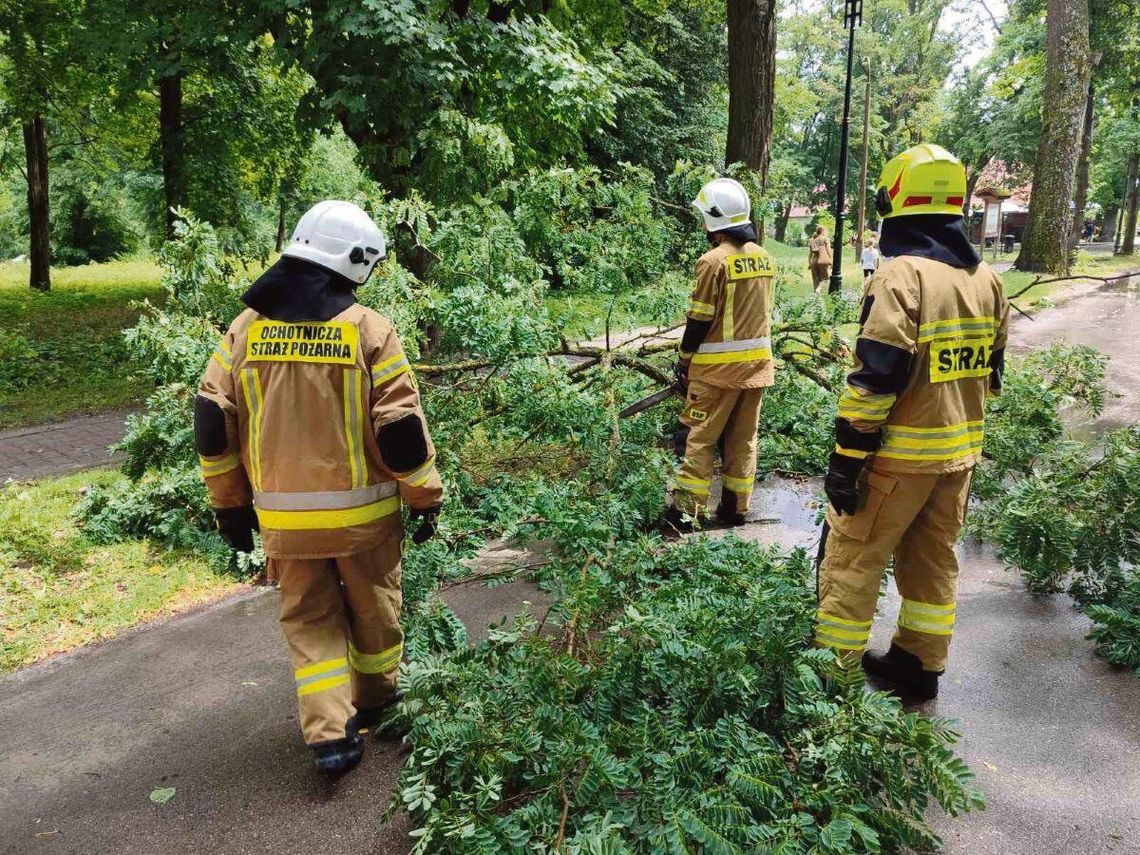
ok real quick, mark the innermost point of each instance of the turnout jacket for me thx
(320, 428)
(727, 340)
(931, 345)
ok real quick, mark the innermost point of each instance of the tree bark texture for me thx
(782, 222)
(1068, 64)
(280, 242)
(861, 219)
(751, 77)
(1082, 192)
(39, 215)
(1108, 228)
(171, 132)
(1128, 239)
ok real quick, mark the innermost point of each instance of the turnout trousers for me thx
(713, 414)
(341, 620)
(915, 518)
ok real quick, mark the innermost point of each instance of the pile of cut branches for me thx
(668, 699)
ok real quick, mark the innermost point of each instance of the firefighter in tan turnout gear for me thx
(930, 347)
(308, 426)
(726, 358)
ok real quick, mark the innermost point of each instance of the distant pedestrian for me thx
(870, 259)
(819, 258)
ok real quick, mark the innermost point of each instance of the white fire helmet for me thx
(340, 237)
(724, 203)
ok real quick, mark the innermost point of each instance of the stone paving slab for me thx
(58, 448)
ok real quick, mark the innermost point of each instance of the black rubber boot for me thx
(726, 512)
(338, 756)
(368, 719)
(904, 673)
(674, 523)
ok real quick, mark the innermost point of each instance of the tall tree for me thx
(159, 45)
(1045, 246)
(35, 69)
(751, 83)
(1081, 193)
(1131, 205)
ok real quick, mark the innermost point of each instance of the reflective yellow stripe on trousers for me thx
(931, 618)
(321, 676)
(375, 663)
(841, 633)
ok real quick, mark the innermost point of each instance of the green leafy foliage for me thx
(670, 693)
(690, 712)
(1065, 512)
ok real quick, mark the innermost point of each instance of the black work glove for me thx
(237, 525)
(843, 469)
(682, 371)
(427, 529)
(841, 480)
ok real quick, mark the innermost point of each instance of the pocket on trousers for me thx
(698, 403)
(873, 492)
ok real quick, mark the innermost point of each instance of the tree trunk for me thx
(1108, 230)
(1082, 192)
(751, 76)
(1045, 245)
(1128, 239)
(171, 134)
(782, 222)
(39, 216)
(280, 244)
(861, 219)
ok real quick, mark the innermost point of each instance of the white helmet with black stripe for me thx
(340, 237)
(724, 204)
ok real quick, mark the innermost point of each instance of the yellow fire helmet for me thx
(924, 179)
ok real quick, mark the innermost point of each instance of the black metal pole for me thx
(836, 283)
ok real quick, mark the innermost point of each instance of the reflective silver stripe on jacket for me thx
(729, 346)
(326, 500)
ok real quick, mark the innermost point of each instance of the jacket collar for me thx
(296, 290)
(940, 237)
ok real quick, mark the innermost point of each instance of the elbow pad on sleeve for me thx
(885, 369)
(403, 443)
(695, 332)
(997, 368)
(209, 427)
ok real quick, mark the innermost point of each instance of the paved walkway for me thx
(55, 449)
(204, 704)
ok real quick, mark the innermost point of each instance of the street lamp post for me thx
(853, 15)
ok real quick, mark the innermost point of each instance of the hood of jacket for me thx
(295, 290)
(940, 237)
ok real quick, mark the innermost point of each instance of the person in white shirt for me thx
(870, 259)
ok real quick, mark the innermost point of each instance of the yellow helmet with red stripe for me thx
(924, 179)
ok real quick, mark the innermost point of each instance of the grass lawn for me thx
(584, 315)
(59, 591)
(1087, 265)
(61, 352)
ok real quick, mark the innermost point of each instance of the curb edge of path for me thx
(26, 673)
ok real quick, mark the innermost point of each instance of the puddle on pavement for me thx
(1108, 319)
